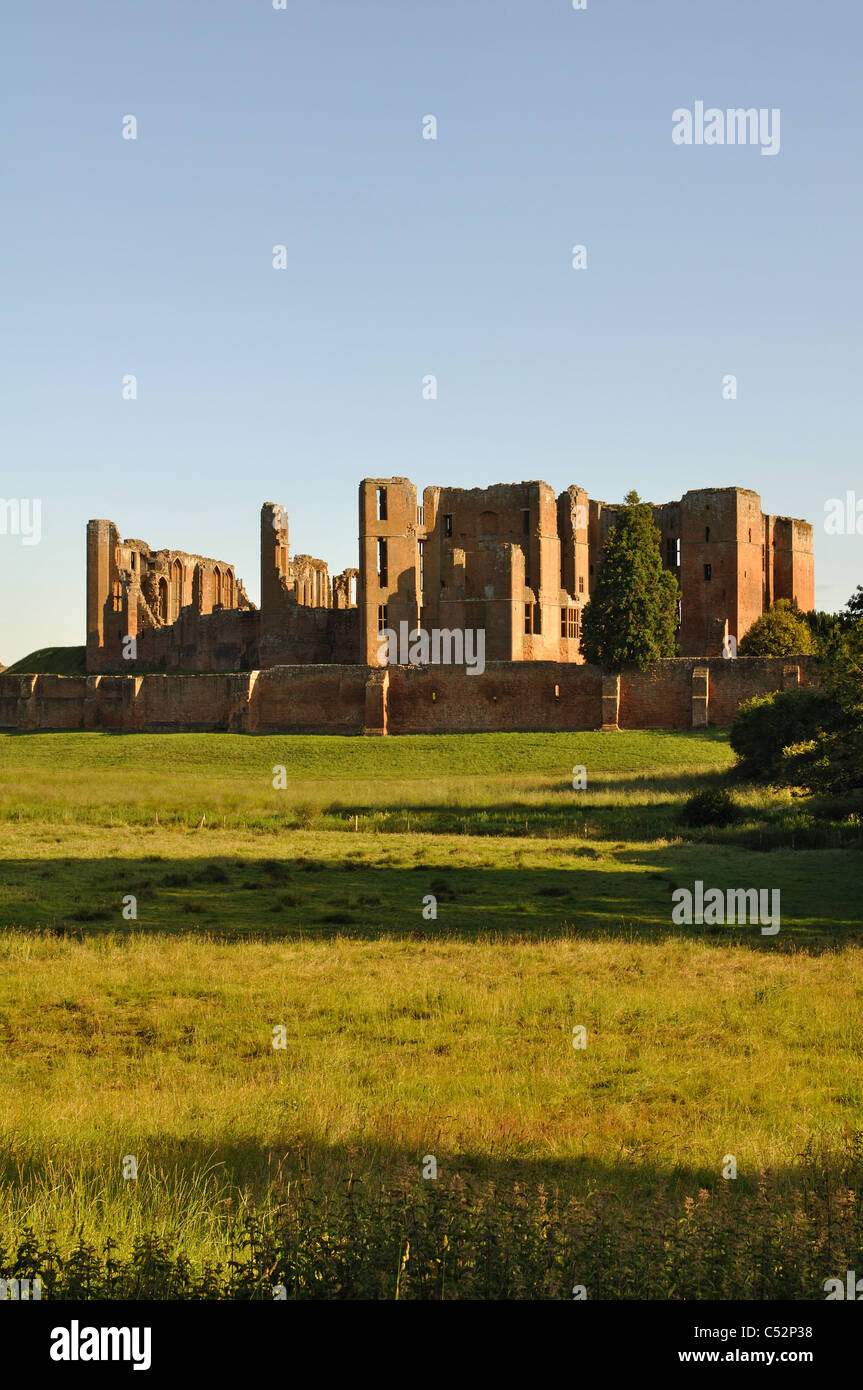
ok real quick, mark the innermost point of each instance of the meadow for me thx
(405, 1038)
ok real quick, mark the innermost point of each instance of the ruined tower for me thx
(389, 560)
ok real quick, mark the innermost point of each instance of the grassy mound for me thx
(51, 661)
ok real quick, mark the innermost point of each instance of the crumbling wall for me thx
(146, 607)
(305, 617)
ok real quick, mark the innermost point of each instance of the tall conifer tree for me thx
(631, 618)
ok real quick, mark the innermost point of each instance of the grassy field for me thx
(407, 1039)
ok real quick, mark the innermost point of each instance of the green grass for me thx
(408, 1037)
(174, 774)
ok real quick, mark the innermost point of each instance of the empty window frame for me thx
(570, 623)
(382, 563)
(382, 504)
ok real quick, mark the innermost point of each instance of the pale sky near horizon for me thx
(408, 257)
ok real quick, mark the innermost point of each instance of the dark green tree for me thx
(853, 610)
(631, 618)
(833, 761)
(841, 668)
(781, 631)
(823, 626)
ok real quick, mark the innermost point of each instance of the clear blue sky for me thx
(407, 257)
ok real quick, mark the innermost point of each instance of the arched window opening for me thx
(176, 590)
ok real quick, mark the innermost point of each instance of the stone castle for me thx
(512, 560)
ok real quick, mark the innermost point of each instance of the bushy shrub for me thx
(768, 724)
(781, 631)
(715, 806)
(832, 763)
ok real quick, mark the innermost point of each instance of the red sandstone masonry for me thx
(308, 699)
(508, 696)
(661, 696)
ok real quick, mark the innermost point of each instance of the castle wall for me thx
(221, 641)
(516, 696)
(306, 699)
(303, 635)
(680, 693)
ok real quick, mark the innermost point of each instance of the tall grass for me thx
(483, 1240)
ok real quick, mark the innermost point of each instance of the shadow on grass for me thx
(256, 1168)
(620, 892)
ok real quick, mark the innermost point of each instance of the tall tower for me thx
(721, 566)
(102, 541)
(389, 560)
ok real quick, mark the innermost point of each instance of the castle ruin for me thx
(513, 560)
